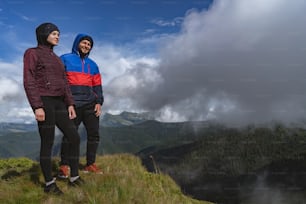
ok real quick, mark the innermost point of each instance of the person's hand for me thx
(40, 114)
(71, 111)
(98, 110)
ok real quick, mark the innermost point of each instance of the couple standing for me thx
(63, 92)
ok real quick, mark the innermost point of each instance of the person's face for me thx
(53, 38)
(84, 46)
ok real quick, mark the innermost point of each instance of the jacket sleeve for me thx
(68, 99)
(97, 86)
(30, 84)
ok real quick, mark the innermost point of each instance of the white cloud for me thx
(12, 101)
(26, 18)
(125, 78)
(252, 51)
(166, 23)
(9, 89)
(116, 62)
(12, 70)
(239, 62)
(20, 114)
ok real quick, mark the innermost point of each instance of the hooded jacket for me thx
(43, 71)
(83, 75)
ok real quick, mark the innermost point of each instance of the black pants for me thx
(85, 114)
(56, 114)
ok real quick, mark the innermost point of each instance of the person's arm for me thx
(30, 83)
(97, 86)
(98, 90)
(68, 99)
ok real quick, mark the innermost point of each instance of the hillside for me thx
(134, 138)
(227, 165)
(124, 181)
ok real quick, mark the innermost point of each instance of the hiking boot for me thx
(76, 183)
(52, 188)
(63, 172)
(92, 168)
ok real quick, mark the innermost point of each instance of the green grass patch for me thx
(124, 180)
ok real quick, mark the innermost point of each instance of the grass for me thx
(124, 180)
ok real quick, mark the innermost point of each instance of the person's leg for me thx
(69, 130)
(91, 123)
(46, 131)
(64, 151)
(65, 142)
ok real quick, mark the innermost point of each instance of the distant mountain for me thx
(123, 133)
(16, 127)
(124, 119)
(17, 139)
(108, 120)
(16, 142)
(126, 132)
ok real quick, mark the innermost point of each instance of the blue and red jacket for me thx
(83, 76)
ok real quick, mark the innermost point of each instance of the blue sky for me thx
(238, 61)
(117, 22)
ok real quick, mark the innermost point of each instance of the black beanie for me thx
(87, 37)
(42, 32)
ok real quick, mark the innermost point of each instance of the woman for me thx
(49, 95)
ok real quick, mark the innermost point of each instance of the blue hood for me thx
(77, 40)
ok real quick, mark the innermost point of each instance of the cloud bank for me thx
(238, 62)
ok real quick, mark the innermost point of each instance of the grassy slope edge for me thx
(125, 180)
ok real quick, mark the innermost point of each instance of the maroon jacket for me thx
(44, 75)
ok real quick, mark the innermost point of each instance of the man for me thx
(86, 87)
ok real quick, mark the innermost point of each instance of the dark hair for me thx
(87, 37)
